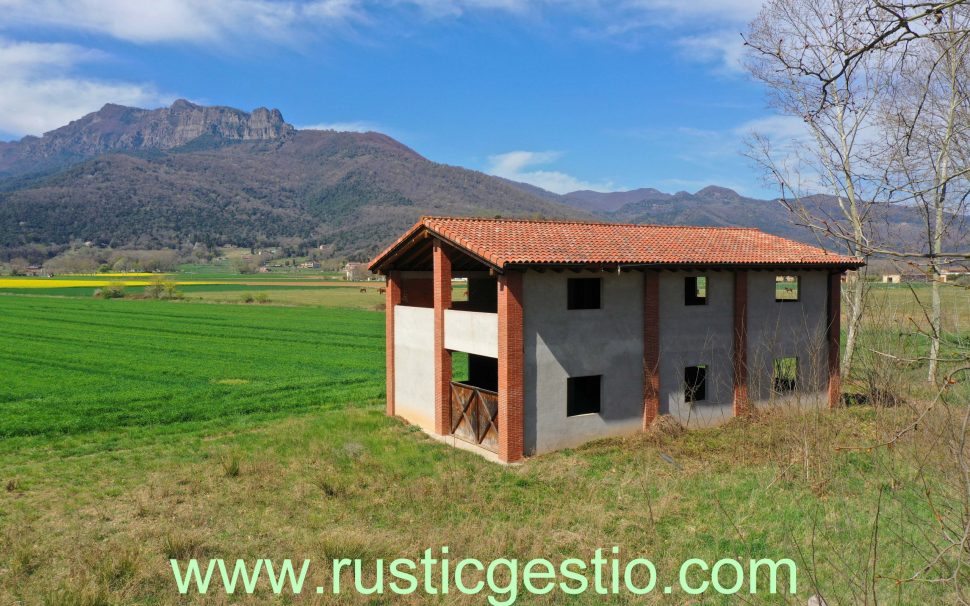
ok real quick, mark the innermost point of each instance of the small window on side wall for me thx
(695, 383)
(785, 375)
(583, 395)
(583, 293)
(695, 290)
(787, 288)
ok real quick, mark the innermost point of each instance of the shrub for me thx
(163, 288)
(245, 266)
(247, 297)
(262, 297)
(112, 291)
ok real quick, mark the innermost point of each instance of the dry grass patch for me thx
(354, 484)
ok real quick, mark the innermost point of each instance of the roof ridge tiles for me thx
(425, 218)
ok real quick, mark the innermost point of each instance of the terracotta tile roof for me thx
(507, 242)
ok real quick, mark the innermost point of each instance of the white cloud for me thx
(657, 12)
(38, 91)
(730, 10)
(347, 127)
(177, 20)
(776, 127)
(723, 47)
(513, 165)
(214, 21)
(457, 8)
(788, 142)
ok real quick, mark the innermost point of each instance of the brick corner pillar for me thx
(834, 325)
(739, 350)
(392, 300)
(511, 368)
(651, 347)
(442, 359)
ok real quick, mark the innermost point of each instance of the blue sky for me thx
(565, 94)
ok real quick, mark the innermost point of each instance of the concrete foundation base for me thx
(488, 455)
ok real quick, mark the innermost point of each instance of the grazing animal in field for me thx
(381, 291)
(363, 290)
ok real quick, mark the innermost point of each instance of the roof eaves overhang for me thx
(418, 232)
(498, 266)
(614, 265)
(378, 263)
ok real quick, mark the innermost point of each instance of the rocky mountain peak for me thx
(120, 128)
(181, 104)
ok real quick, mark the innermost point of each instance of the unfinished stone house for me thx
(563, 332)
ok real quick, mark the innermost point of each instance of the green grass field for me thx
(121, 420)
(75, 366)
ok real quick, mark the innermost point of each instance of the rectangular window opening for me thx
(583, 293)
(459, 290)
(459, 367)
(786, 288)
(583, 395)
(785, 376)
(474, 370)
(695, 290)
(695, 383)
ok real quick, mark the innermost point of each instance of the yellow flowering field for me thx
(71, 283)
(120, 274)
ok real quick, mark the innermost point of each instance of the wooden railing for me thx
(474, 415)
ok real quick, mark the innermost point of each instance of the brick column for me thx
(651, 347)
(442, 359)
(393, 299)
(834, 319)
(511, 367)
(740, 345)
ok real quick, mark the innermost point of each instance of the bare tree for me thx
(927, 123)
(893, 78)
(798, 50)
(888, 121)
(887, 25)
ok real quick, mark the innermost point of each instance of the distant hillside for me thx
(129, 177)
(609, 201)
(151, 178)
(719, 206)
(711, 206)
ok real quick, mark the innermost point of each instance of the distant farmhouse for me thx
(919, 277)
(356, 272)
(575, 331)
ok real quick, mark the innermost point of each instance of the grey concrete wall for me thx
(691, 335)
(414, 365)
(787, 329)
(560, 343)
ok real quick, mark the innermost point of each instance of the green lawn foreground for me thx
(136, 431)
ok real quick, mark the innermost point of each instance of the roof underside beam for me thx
(416, 254)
